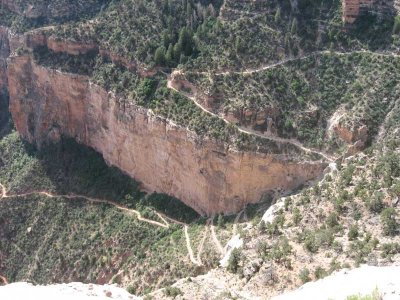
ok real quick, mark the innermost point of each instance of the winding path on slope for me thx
(139, 216)
(189, 247)
(193, 96)
(165, 224)
(215, 238)
(249, 131)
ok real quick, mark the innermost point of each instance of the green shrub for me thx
(234, 260)
(320, 273)
(172, 291)
(353, 232)
(305, 275)
(390, 226)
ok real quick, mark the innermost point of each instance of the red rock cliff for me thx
(46, 104)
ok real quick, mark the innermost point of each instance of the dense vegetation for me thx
(79, 241)
(306, 92)
(23, 15)
(152, 93)
(5, 119)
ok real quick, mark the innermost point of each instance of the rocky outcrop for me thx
(52, 10)
(44, 38)
(47, 104)
(353, 8)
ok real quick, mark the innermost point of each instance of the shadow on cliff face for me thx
(70, 168)
(373, 30)
(5, 118)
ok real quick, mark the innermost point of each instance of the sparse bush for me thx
(234, 260)
(320, 273)
(172, 291)
(389, 222)
(305, 275)
(353, 232)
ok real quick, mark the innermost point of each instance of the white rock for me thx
(234, 242)
(70, 291)
(340, 285)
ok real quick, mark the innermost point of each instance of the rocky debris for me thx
(269, 276)
(252, 268)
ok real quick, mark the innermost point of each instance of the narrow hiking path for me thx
(262, 68)
(249, 131)
(203, 240)
(165, 224)
(139, 216)
(234, 229)
(189, 247)
(215, 238)
(194, 259)
(193, 96)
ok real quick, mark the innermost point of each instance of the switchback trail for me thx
(165, 224)
(189, 247)
(215, 238)
(193, 96)
(249, 131)
(203, 240)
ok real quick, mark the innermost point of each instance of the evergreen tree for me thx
(293, 29)
(220, 221)
(278, 15)
(159, 56)
(169, 56)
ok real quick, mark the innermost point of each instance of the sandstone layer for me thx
(47, 104)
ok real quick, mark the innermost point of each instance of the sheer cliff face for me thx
(46, 104)
(4, 53)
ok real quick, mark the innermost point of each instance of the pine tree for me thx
(169, 56)
(220, 221)
(278, 15)
(159, 56)
(293, 29)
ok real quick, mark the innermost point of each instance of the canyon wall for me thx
(4, 53)
(47, 104)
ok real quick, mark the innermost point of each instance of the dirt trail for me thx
(236, 222)
(249, 131)
(234, 231)
(138, 215)
(215, 238)
(203, 240)
(189, 247)
(193, 96)
(92, 200)
(287, 60)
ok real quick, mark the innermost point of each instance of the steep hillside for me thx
(229, 106)
(52, 230)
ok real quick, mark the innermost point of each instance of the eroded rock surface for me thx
(46, 104)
